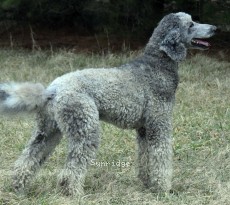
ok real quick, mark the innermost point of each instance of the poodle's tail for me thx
(21, 97)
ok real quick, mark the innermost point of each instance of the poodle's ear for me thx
(173, 47)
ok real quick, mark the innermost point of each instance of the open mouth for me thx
(200, 43)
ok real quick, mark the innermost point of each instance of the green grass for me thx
(201, 137)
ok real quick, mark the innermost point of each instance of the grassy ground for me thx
(201, 137)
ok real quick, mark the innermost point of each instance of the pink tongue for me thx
(203, 43)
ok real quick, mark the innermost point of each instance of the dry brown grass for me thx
(201, 137)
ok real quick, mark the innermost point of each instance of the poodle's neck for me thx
(153, 53)
(153, 47)
(155, 58)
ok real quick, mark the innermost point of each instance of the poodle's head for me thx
(178, 32)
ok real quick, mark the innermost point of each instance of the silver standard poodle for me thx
(138, 95)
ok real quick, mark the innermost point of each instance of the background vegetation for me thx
(201, 137)
(97, 15)
(99, 25)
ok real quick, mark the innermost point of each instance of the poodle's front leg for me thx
(155, 156)
(33, 156)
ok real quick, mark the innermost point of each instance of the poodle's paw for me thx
(21, 179)
(158, 186)
(18, 186)
(70, 186)
(155, 185)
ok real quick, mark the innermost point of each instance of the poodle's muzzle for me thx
(199, 32)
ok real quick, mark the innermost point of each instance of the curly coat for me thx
(138, 95)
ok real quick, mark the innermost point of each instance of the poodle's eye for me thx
(191, 25)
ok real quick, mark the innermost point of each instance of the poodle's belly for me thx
(127, 118)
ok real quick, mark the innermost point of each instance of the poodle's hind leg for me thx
(79, 122)
(155, 156)
(41, 145)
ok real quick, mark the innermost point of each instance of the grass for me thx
(201, 137)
